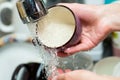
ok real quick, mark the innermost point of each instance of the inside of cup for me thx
(57, 27)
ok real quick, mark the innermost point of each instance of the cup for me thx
(30, 71)
(56, 27)
(76, 61)
(60, 28)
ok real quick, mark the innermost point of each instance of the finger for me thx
(76, 8)
(62, 54)
(72, 50)
(80, 47)
(84, 12)
(60, 71)
(72, 5)
(68, 76)
(78, 75)
(67, 70)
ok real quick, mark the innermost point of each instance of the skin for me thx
(97, 23)
(83, 75)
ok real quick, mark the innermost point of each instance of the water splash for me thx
(49, 59)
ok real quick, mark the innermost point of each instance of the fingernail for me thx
(55, 78)
(67, 50)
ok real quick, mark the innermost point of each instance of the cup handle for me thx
(15, 73)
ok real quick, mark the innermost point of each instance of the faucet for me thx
(31, 10)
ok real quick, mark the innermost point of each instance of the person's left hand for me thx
(82, 75)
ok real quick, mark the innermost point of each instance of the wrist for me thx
(110, 14)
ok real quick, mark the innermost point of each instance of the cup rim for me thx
(73, 40)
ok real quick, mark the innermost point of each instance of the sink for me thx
(13, 54)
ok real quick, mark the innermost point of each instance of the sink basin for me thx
(13, 54)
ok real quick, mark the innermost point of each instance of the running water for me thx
(48, 55)
(49, 59)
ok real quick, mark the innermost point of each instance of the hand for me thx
(97, 22)
(60, 71)
(82, 75)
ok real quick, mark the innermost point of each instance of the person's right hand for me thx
(82, 75)
(97, 22)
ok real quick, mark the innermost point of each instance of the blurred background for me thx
(15, 38)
